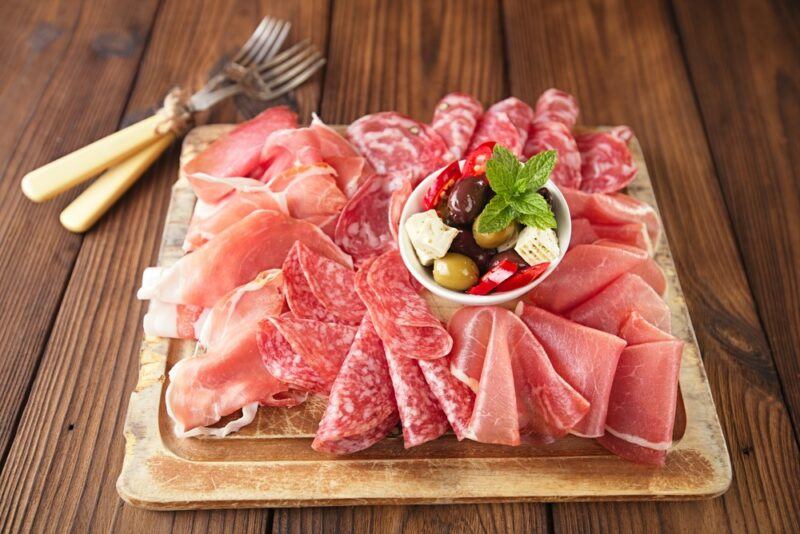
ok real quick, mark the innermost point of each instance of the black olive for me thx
(548, 196)
(466, 201)
(464, 243)
(510, 255)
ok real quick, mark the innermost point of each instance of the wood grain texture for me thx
(47, 52)
(623, 61)
(746, 72)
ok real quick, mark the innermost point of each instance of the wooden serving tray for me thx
(270, 463)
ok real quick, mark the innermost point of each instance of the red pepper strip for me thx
(523, 277)
(444, 181)
(494, 277)
(476, 160)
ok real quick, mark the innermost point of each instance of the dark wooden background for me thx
(712, 89)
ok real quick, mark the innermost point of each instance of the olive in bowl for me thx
(455, 271)
(493, 239)
(466, 200)
(464, 243)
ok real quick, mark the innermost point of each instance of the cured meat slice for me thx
(608, 309)
(304, 353)
(396, 204)
(584, 272)
(648, 270)
(606, 162)
(392, 142)
(174, 320)
(258, 242)
(319, 288)
(636, 330)
(612, 209)
(519, 395)
(362, 408)
(420, 415)
(559, 106)
(506, 123)
(641, 409)
(337, 152)
(520, 114)
(236, 154)
(586, 358)
(555, 136)
(582, 233)
(633, 234)
(455, 398)
(400, 315)
(311, 194)
(455, 119)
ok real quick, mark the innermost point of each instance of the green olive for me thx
(493, 239)
(455, 271)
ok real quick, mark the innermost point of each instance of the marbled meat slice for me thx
(455, 119)
(555, 136)
(559, 106)
(507, 123)
(455, 398)
(606, 162)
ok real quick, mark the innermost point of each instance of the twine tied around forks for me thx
(176, 112)
(248, 78)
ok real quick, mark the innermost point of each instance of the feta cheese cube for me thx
(537, 245)
(430, 237)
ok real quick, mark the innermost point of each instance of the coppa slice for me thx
(519, 395)
(618, 208)
(401, 317)
(319, 288)
(455, 119)
(455, 398)
(584, 357)
(258, 242)
(362, 407)
(236, 154)
(304, 353)
(610, 308)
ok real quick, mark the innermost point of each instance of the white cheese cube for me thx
(537, 245)
(430, 237)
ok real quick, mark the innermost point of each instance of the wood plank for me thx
(63, 464)
(48, 51)
(404, 56)
(623, 61)
(745, 66)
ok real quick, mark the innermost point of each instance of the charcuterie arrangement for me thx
(293, 285)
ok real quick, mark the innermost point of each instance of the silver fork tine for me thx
(277, 78)
(284, 56)
(262, 42)
(254, 38)
(270, 48)
(288, 64)
(300, 79)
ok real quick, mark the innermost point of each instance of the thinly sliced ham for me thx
(319, 288)
(519, 395)
(304, 353)
(311, 194)
(236, 154)
(586, 358)
(617, 208)
(362, 407)
(648, 270)
(178, 321)
(258, 242)
(351, 167)
(633, 234)
(582, 233)
(636, 330)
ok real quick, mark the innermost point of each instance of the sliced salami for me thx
(396, 204)
(520, 114)
(362, 408)
(551, 135)
(455, 398)
(455, 119)
(392, 142)
(421, 417)
(606, 162)
(304, 353)
(559, 106)
(321, 289)
(400, 315)
(506, 123)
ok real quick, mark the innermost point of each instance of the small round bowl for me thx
(423, 274)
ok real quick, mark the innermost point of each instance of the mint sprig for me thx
(516, 191)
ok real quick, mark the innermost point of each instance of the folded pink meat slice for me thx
(237, 153)
(636, 330)
(304, 353)
(311, 194)
(455, 398)
(633, 234)
(584, 357)
(582, 233)
(610, 308)
(618, 208)
(258, 242)
(319, 288)
(362, 408)
(519, 394)
(174, 320)
(351, 167)
(648, 270)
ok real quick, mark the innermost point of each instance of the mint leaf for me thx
(501, 171)
(535, 172)
(542, 220)
(495, 216)
(529, 203)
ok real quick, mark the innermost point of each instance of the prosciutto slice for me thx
(362, 408)
(582, 233)
(617, 208)
(174, 320)
(519, 395)
(648, 270)
(585, 357)
(258, 242)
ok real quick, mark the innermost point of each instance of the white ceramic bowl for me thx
(423, 274)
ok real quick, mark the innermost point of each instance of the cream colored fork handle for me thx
(85, 210)
(68, 171)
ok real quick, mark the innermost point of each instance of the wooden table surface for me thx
(712, 89)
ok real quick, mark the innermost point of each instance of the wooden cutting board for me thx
(270, 463)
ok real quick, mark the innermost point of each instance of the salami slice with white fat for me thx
(520, 114)
(321, 289)
(455, 119)
(559, 106)
(392, 142)
(421, 417)
(606, 162)
(454, 397)
(506, 123)
(362, 408)
(400, 315)
(396, 204)
(552, 135)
